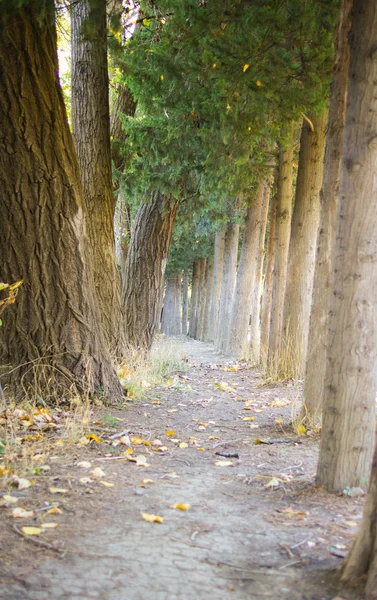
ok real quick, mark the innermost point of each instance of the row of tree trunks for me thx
(195, 283)
(145, 269)
(302, 246)
(255, 326)
(171, 320)
(322, 286)
(201, 299)
(91, 134)
(237, 343)
(227, 286)
(208, 303)
(52, 338)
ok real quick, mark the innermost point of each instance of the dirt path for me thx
(255, 529)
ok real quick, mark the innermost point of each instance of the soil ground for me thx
(256, 528)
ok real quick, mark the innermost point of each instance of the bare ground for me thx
(257, 528)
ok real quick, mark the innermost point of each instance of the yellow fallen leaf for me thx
(85, 480)
(31, 530)
(49, 525)
(248, 419)
(200, 449)
(147, 480)
(84, 464)
(10, 499)
(146, 443)
(224, 463)
(274, 482)
(59, 443)
(94, 437)
(279, 421)
(128, 451)
(156, 402)
(152, 518)
(55, 490)
(259, 83)
(97, 472)
(181, 506)
(141, 461)
(183, 445)
(106, 483)
(213, 437)
(136, 440)
(84, 441)
(302, 429)
(54, 511)
(245, 67)
(170, 433)
(22, 513)
(172, 410)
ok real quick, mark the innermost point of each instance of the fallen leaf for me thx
(22, 513)
(84, 441)
(84, 464)
(248, 418)
(183, 445)
(54, 511)
(98, 472)
(49, 525)
(136, 440)
(22, 484)
(94, 437)
(170, 433)
(156, 443)
(85, 480)
(148, 481)
(302, 429)
(224, 463)
(141, 461)
(106, 483)
(10, 499)
(200, 449)
(351, 523)
(128, 451)
(55, 490)
(31, 530)
(279, 421)
(214, 437)
(181, 506)
(274, 482)
(152, 518)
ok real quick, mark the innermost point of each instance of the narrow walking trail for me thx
(255, 526)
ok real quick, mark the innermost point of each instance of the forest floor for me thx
(256, 527)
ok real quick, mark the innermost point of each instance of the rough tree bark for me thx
(283, 233)
(201, 300)
(246, 273)
(185, 301)
(218, 265)
(208, 302)
(91, 134)
(349, 407)
(302, 247)
(255, 325)
(145, 269)
(194, 296)
(176, 328)
(317, 343)
(51, 338)
(227, 285)
(267, 291)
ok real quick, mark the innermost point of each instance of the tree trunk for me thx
(351, 375)
(362, 559)
(168, 307)
(208, 302)
(227, 285)
(201, 300)
(267, 291)
(322, 286)
(123, 104)
(218, 265)
(255, 326)
(177, 294)
(283, 233)
(145, 269)
(194, 296)
(185, 302)
(91, 134)
(246, 273)
(301, 260)
(51, 338)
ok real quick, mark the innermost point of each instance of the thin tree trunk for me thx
(246, 274)
(194, 296)
(227, 285)
(255, 326)
(304, 229)
(349, 408)
(185, 302)
(51, 338)
(283, 233)
(168, 307)
(267, 291)
(201, 300)
(145, 269)
(91, 134)
(322, 286)
(208, 302)
(218, 265)
(176, 327)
